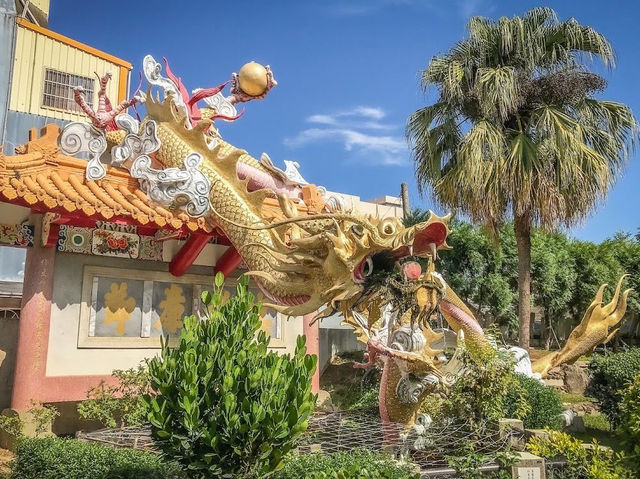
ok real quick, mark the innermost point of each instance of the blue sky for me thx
(347, 73)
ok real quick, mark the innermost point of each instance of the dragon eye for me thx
(357, 230)
(387, 227)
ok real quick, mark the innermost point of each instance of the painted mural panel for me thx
(118, 307)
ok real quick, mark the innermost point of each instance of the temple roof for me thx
(42, 179)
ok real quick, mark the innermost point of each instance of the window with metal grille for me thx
(58, 90)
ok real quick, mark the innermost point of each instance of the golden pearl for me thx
(253, 78)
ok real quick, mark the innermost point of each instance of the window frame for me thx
(71, 105)
(197, 282)
(90, 277)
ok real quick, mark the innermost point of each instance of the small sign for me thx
(528, 473)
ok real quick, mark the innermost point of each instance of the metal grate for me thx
(58, 90)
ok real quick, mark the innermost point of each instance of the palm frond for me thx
(516, 122)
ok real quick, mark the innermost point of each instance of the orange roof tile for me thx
(41, 178)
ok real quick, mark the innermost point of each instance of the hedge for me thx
(55, 458)
(355, 464)
(610, 376)
(545, 405)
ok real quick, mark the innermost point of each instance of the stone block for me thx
(506, 424)
(576, 379)
(577, 425)
(515, 429)
(528, 466)
(555, 383)
(324, 403)
(539, 433)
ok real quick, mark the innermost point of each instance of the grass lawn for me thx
(574, 398)
(597, 427)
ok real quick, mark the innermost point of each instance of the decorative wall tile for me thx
(74, 239)
(109, 242)
(115, 243)
(16, 235)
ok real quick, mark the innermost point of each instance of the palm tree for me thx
(516, 129)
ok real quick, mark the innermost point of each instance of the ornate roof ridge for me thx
(40, 177)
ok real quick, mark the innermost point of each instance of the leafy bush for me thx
(224, 404)
(42, 416)
(582, 463)
(54, 458)
(544, 403)
(610, 375)
(356, 464)
(629, 428)
(479, 395)
(467, 464)
(118, 405)
(12, 425)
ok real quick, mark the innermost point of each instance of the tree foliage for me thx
(566, 272)
(225, 406)
(516, 121)
(481, 273)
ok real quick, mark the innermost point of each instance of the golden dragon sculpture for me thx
(330, 261)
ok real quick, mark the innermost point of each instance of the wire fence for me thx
(346, 431)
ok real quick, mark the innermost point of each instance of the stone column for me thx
(312, 333)
(35, 316)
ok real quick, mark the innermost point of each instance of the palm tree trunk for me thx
(522, 226)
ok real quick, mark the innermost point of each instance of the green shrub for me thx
(629, 428)
(225, 406)
(12, 425)
(355, 464)
(582, 463)
(43, 416)
(467, 463)
(597, 421)
(479, 395)
(54, 458)
(121, 404)
(544, 404)
(610, 375)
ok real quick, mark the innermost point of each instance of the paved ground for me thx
(5, 458)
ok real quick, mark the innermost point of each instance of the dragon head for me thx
(330, 259)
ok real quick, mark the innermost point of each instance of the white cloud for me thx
(359, 131)
(366, 117)
(465, 8)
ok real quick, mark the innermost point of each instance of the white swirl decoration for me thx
(136, 142)
(153, 73)
(408, 339)
(221, 105)
(78, 137)
(186, 189)
(410, 388)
